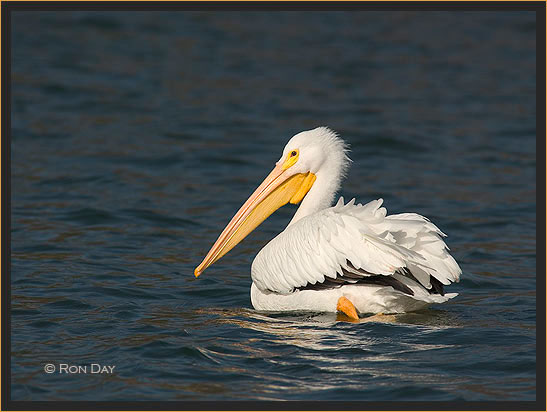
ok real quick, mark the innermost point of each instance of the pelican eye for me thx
(292, 158)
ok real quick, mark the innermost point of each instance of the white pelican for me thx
(348, 257)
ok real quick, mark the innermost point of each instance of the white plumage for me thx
(320, 245)
(380, 263)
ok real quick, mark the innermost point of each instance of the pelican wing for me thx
(351, 243)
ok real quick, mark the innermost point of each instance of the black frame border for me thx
(538, 6)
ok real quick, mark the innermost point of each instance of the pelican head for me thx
(308, 156)
(317, 149)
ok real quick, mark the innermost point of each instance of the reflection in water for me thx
(324, 344)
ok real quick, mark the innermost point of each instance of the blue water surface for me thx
(137, 135)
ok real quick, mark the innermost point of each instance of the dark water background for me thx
(137, 135)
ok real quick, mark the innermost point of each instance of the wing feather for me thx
(348, 243)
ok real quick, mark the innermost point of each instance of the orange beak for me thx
(279, 188)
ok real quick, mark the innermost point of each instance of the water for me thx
(136, 136)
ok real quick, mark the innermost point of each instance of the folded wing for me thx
(357, 244)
